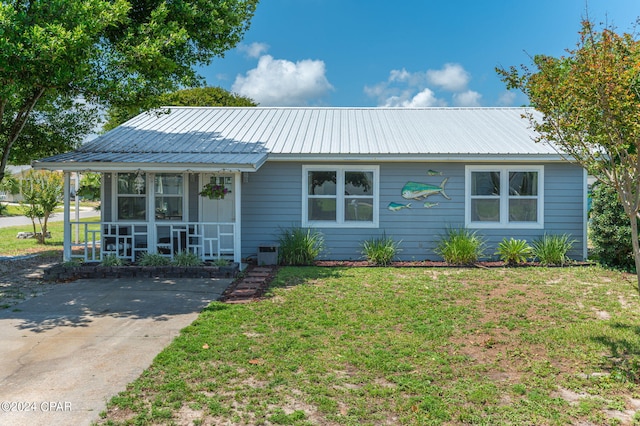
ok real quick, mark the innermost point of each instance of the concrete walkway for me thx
(65, 354)
(6, 222)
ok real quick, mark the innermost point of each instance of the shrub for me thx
(4, 210)
(380, 251)
(552, 249)
(610, 230)
(460, 247)
(299, 246)
(186, 258)
(113, 260)
(513, 251)
(153, 259)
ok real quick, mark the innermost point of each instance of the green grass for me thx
(415, 346)
(11, 246)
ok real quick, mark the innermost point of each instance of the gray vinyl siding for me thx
(272, 200)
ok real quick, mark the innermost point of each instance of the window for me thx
(503, 197)
(340, 196)
(132, 196)
(168, 188)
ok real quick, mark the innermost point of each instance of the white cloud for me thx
(425, 98)
(469, 98)
(254, 50)
(507, 98)
(424, 89)
(278, 82)
(451, 77)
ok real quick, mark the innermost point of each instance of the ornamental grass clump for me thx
(461, 247)
(380, 251)
(300, 246)
(113, 260)
(514, 252)
(153, 259)
(552, 249)
(186, 258)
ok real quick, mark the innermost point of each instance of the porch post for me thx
(66, 251)
(237, 234)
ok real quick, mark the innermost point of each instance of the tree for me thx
(104, 52)
(199, 96)
(590, 105)
(42, 193)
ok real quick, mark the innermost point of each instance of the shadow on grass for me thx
(290, 276)
(624, 361)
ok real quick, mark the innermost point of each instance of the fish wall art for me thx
(420, 191)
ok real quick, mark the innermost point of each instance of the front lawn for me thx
(415, 346)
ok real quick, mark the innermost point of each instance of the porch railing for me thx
(92, 241)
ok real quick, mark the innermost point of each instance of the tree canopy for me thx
(590, 101)
(199, 96)
(103, 52)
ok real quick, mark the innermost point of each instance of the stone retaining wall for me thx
(72, 273)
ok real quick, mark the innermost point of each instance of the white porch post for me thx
(66, 252)
(237, 235)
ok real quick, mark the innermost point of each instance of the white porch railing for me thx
(92, 241)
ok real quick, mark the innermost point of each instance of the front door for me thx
(218, 216)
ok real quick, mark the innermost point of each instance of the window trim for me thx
(340, 221)
(504, 222)
(115, 212)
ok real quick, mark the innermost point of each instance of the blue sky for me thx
(411, 53)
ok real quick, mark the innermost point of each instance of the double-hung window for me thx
(132, 196)
(340, 196)
(504, 197)
(169, 198)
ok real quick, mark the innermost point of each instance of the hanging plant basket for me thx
(214, 191)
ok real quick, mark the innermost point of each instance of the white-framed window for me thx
(169, 196)
(340, 196)
(504, 196)
(131, 196)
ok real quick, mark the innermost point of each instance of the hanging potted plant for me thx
(214, 191)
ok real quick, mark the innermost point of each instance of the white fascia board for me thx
(147, 167)
(450, 158)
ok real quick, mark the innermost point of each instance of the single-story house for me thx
(352, 173)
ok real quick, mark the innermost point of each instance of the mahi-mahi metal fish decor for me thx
(420, 191)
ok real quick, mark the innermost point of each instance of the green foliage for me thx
(113, 260)
(186, 258)
(198, 96)
(381, 250)
(552, 249)
(610, 231)
(461, 247)
(4, 210)
(42, 192)
(106, 52)
(220, 262)
(300, 246)
(153, 259)
(513, 251)
(90, 185)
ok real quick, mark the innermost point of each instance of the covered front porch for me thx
(151, 211)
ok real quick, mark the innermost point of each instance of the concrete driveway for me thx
(63, 355)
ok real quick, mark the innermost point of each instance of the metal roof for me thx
(244, 137)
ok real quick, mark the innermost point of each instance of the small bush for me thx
(380, 251)
(220, 262)
(186, 258)
(461, 247)
(113, 260)
(552, 249)
(4, 210)
(610, 230)
(299, 246)
(153, 259)
(514, 251)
